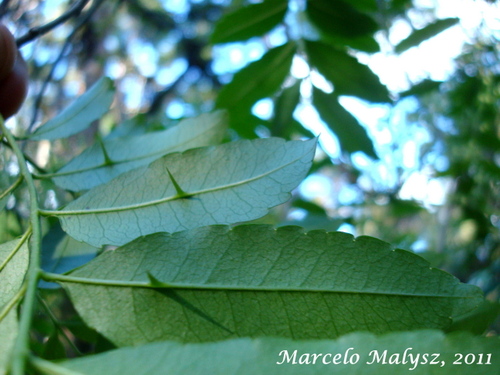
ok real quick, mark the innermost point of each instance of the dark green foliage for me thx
(349, 77)
(352, 136)
(418, 36)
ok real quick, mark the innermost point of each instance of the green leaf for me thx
(348, 76)
(258, 80)
(339, 17)
(421, 88)
(351, 135)
(418, 36)
(13, 266)
(250, 21)
(341, 23)
(283, 123)
(89, 169)
(80, 114)
(255, 280)
(263, 356)
(479, 320)
(227, 184)
(61, 253)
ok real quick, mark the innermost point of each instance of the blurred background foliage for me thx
(424, 175)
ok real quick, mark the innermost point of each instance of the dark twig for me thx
(36, 32)
(3, 7)
(61, 55)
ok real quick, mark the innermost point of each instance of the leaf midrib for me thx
(242, 288)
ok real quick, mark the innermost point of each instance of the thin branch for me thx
(13, 302)
(23, 239)
(11, 188)
(38, 31)
(67, 44)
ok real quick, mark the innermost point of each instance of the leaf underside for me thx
(11, 279)
(80, 114)
(226, 184)
(262, 356)
(89, 169)
(252, 280)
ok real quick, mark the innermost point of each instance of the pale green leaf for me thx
(405, 352)
(80, 114)
(90, 169)
(226, 184)
(254, 280)
(249, 21)
(358, 353)
(13, 263)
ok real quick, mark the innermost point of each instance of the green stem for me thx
(12, 187)
(28, 159)
(20, 351)
(51, 368)
(13, 302)
(22, 240)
